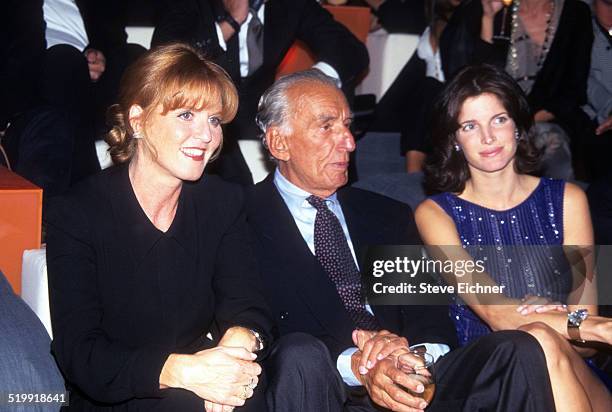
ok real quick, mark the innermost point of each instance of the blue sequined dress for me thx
(537, 221)
(523, 248)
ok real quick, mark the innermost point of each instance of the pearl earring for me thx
(457, 148)
(517, 135)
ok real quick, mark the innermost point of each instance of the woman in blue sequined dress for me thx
(487, 201)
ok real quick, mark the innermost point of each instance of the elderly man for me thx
(308, 230)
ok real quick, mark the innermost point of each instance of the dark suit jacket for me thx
(23, 43)
(395, 113)
(403, 16)
(600, 202)
(124, 295)
(301, 295)
(560, 86)
(104, 23)
(285, 21)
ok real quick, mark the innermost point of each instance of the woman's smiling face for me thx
(181, 141)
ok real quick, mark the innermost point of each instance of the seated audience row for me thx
(249, 39)
(149, 257)
(422, 80)
(70, 55)
(545, 45)
(77, 52)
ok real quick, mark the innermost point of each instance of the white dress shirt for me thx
(64, 24)
(304, 216)
(244, 52)
(432, 60)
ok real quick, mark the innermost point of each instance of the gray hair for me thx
(273, 108)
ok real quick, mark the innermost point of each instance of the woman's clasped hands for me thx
(224, 376)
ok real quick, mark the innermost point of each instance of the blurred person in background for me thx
(599, 93)
(73, 54)
(545, 45)
(250, 39)
(406, 105)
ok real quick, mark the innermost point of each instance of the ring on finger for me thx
(253, 383)
(245, 392)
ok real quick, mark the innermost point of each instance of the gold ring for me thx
(245, 392)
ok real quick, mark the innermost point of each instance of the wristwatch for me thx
(574, 320)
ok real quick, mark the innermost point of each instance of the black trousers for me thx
(303, 377)
(53, 143)
(503, 371)
(298, 375)
(406, 106)
(65, 82)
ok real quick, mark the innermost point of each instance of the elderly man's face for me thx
(318, 140)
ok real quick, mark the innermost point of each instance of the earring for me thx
(517, 134)
(137, 135)
(457, 148)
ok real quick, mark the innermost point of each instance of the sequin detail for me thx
(538, 220)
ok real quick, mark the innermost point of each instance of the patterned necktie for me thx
(333, 252)
(255, 44)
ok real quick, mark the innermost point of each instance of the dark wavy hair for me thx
(446, 170)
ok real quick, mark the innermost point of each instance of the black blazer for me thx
(396, 113)
(124, 295)
(104, 23)
(402, 16)
(300, 293)
(285, 21)
(560, 86)
(23, 43)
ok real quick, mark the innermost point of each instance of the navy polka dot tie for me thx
(334, 254)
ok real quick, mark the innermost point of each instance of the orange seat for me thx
(299, 57)
(20, 223)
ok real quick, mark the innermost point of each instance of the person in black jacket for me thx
(405, 107)
(398, 16)
(21, 54)
(220, 29)
(309, 229)
(103, 58)
(155, 300)
(61, 70)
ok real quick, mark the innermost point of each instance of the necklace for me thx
(513, 63)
